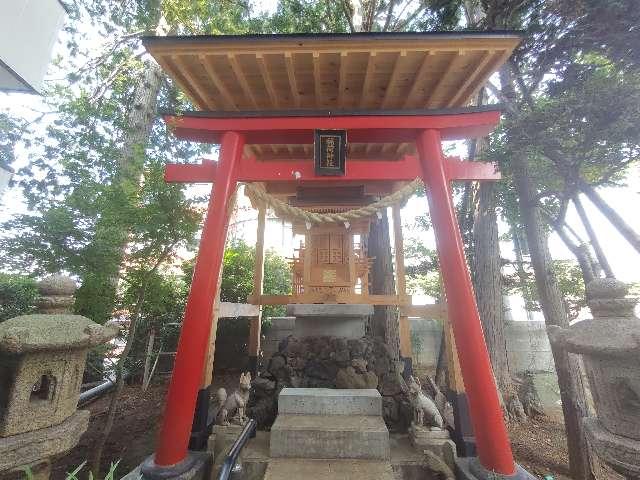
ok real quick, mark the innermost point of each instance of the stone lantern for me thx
(42, 359)
(610, 347)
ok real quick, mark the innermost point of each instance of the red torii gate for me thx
(430, 164)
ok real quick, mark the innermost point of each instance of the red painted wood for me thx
(252, 170)
(494, 449)
(360, 128)
(191, 172)
(196, 327)
(458, 170)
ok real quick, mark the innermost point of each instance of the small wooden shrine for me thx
(331, 263)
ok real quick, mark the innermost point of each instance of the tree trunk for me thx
(593, 238)
(488, 287)
(610, 214)
(582, 254)
(385, 321)
(582, 463)
(574, 403)
(111, 230)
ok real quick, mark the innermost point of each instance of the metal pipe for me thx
(248, 432)
(95, 392)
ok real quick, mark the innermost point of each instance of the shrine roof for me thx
(263, 74)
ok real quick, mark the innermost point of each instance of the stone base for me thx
(339, 320)
(197, 466)
(31, 447)
(470, 469)
(221, 439)
(437, 442)
(329, 437)
(621, 453)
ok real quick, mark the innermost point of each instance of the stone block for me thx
(330, 437)
(221, 439)
(435, 441)
(31, 447)
(328, 310)
(325, 401)
(45, 390)
(286, 469)
(339, 320)
(282, 323)
(619, 452)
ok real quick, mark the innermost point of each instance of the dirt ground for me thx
(539, 446)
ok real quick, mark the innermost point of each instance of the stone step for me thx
(329, 436)
(309, 469)
(327, 401)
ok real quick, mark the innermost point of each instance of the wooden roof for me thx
(337, 72)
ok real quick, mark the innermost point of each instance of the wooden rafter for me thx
(437, 89)
(242, 80)
(291, 74)
(494, 65)
(266, 78)
(342, 77)
(183, 76)
(226, 95)
(366, 83)
(470, 80)
(316, 78)
(418, 80)
(393, 78)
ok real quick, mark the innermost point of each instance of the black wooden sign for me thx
(330, 152)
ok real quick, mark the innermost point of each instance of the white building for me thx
(28, 32)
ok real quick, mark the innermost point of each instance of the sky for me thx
(625, 200)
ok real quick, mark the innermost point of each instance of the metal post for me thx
(194, 337)
(494, 449)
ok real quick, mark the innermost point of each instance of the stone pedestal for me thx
(338, 320)
(436, 441)
(221, 439)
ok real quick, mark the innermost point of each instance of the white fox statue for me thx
(425, 411)
(231, 409)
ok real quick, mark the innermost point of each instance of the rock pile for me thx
(332, 362)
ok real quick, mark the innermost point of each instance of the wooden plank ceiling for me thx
(279, 73)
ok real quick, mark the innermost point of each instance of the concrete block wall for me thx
(527, 345)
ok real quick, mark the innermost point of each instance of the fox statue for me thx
(231, 409)
(426, 413)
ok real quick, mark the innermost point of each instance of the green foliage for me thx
(18, 295)
(237, 278)
(10, 131)
(305, 16)
(422, 267)
(73, 475)
(570, 282)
